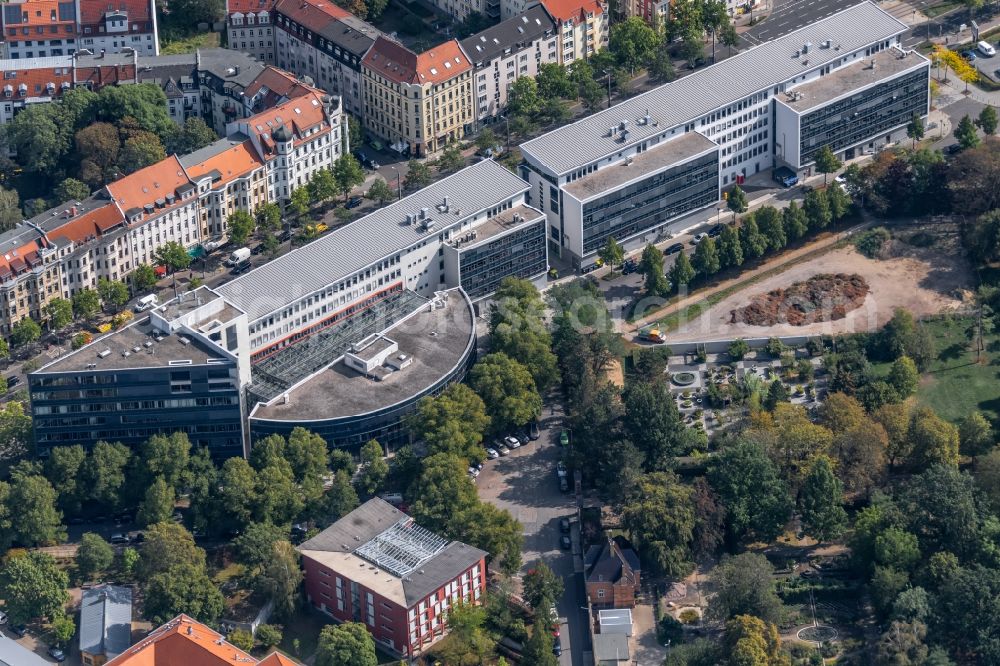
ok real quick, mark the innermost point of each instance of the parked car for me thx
(473, 472)
(698, 238)
(56, 653)
(561, 469)
(258, 249)
(840, 180)
(3, 617)
(533, 433)
(240, 268)
(492, 453)
(13, 381)
(119, 539)
(629, 266)
(969, 55)
(715, 231)
(563, 438)
(565, 542)
(503, 450)
(512, 442)
(354, 202)
(673, 249)
(785, 176)
(564, 524)
(557, 648)
(19, 630)
(522, 437)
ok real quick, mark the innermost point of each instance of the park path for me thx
(825, 242)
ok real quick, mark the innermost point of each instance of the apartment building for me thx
(229, 176)
(844, 81)
(653, 12)
(461, 9)
(250, 28)
(343, 336)
(582, 27)
(505, 52)
(418, 103)
(42, 28)
(378, 567)
(29, 276)
(320, 40)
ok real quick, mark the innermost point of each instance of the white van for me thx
(986, 49)
(238, 256)
(147, 302)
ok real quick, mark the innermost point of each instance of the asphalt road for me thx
(525, 483)
(791, 15)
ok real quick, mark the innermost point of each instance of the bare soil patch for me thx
(924, 280)
(824, 297)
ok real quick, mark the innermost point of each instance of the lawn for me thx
(956, 383)
(205, 40)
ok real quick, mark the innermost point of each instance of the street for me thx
(789, 15)
(525, 484)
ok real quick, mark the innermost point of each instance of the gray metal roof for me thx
(761, 67)
(106, 620)
(13, 653)
(513, 34)
(366, 241)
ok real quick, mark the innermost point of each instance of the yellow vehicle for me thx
(652, 335)
(316, 229)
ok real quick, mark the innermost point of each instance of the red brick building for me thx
(612, 570)
(378, 567)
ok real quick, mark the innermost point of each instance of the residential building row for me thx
(628, 171)
(42, 28)
(342, 336)
(183, 199)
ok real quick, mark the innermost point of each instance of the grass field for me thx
(956, 383)
(205, 40)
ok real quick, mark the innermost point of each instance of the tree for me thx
(541, 584)
(633, 43)
(442, 491)
(755, 497)
(861, 454)
(794, 221)
(62, 469)
(681, 273)
(965, 133)
(59, 313)
(903, 644)
(38, 521)
(380, 191)
(141, 151)
(280, 578)
(508, 390)
(341, 498)
(71, 189)
(347, 644)
(466, 623)
(538, 649)
(242, 639)
(299, 201)
(817, 209)
(749, 641)
(754, 243)
(487, 139)
(268, 218)
(277, 496)
(523, 98)
(612, 253)
(660, 519)
(39, 137)
(706, 258)
(112, 292)
(182, 588)
(943, 508)
(839, 202)
(143, 278)
(738, 348)
(172, 255)
(661, 67)
(651, 265)
(826, 162)
(772, 226)
(776, 394)
(915, 129)
(348, 173)
(93, 556)
(987, 120)
(730, 250)
(451, 159)
(744, 586)
(653, 423)
(934, 440)
(167, 545)
(452, 422)
(25, 332)
(103, 474)
(975, 435)
(821, 502)
(63, 628)
(32, 586)
(418, 174)
(158, 504)
(374, 468)
(194, 134)
(269, 635)
(904, 377)
(737, 200)
(239, 225)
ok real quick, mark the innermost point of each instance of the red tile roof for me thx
(37, 82)
(40, 13)
(93, 223)
(564, 10)
(296, 114)
(13, 261)
(280, 83)
(231, 163)
(249, 6)
(183, 642)
(399, 64)
(277, 659)
(147, 185)
(103, 75)
(92, 11)
(312, 14)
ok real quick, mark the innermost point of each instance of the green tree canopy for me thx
(94, 555)
(38, 522)
(32, 586)
(706, 258)
(452, 422)
(681, 273)
(737, 200)
(756, 499)
(240, 226)
(744, 585)
(508, 390)
(182, 588)
(826, 162)
(659, 516)
(965, 133)
(158, 504)
(633, 43)
(821, 502)
(347, 644)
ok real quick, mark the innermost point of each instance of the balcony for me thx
(493, 9)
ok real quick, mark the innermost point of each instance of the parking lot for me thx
(525, 484)
(987, 65)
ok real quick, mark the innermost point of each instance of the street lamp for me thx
(399, 189)
(507, 124)
(608, 73)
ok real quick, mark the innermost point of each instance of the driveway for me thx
(525, 484)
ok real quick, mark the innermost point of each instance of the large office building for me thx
(342, 336)
(376, 566)
(844, 82)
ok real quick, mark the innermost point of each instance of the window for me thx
(600, 593)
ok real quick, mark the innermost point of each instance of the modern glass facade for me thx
(642, 205)
(863, 115)
(131, 405)
(520, 253)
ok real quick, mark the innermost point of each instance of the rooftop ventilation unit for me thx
(612, 130)
(806, 47)
(104, 354)
(423, 213)
(826, 44)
